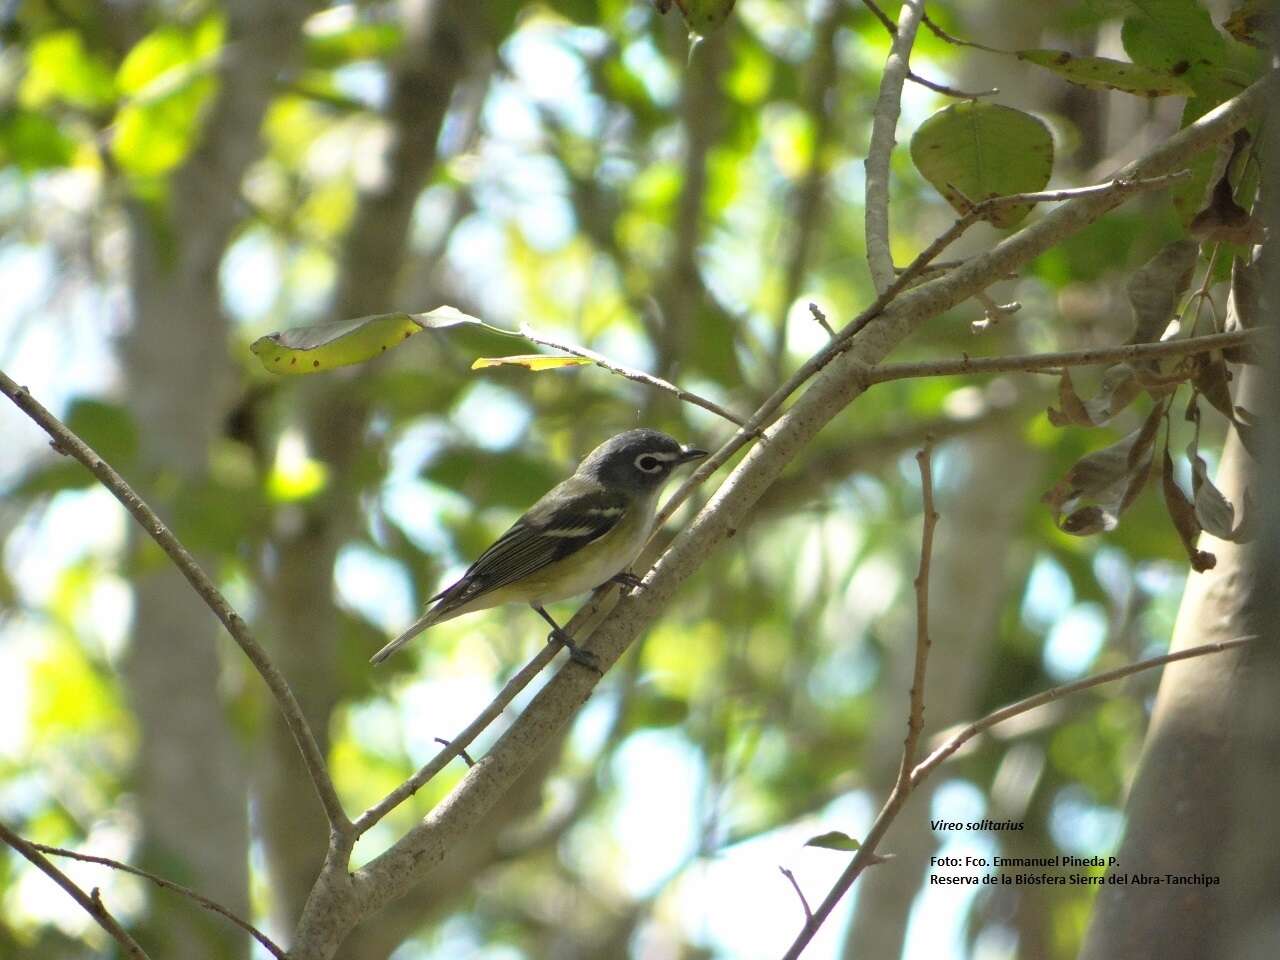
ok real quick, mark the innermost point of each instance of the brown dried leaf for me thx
(1072, 409)
(1183, 515)
(1247, 529)
(1119, 388)
(1211, 378)
(1214, 511)
(1246, 295)
(1112, 478)
(1154, 290)
(1086, 521)
(1250, 22)
(1248, 429)
(1225, 221)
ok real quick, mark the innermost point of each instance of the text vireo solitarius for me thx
(582, 533)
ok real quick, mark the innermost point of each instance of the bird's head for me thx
(638, 461)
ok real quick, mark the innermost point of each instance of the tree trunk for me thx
(190, 779)
(299, 597)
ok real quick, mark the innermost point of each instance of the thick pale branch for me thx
(67, 442)
(91, 902)
(1043, 234)
(837, 384)
(1118, 188)
(212, 905)
(884, 125)
(1031, 362)
(458, 745)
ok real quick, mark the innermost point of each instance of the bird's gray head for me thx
(640, 461)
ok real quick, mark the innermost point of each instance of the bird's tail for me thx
(433, 615)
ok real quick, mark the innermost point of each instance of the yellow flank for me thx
(582, 570)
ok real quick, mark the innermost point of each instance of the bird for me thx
(583, 532)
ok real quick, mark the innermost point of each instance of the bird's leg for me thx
(625, 579)
(576, 653)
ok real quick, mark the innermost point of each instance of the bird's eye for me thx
(648, 463)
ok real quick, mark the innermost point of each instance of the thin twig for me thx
(273, 948)
(72, 445)
(91, 902)
(866, 853)
(808, 913)
(911, 74)
(941, 34)
(977, 211)
(466, 757)
(915, 714)
(884, 124)
(1119, 188)
(954, 743)
(459, 743)
(639, 376)
(1029, 362)
(821, 319)
(904, 783)
(947, 91)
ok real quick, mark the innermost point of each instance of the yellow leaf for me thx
(534, 361)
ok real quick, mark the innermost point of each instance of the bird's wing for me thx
(564, 521)
(568, 518)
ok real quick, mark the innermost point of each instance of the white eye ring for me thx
(654, 464)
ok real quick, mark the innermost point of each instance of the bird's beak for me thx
(690, 454)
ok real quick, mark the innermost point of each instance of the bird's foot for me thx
(628, 580)
(583, 657)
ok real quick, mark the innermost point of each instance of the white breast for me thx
(613, 554)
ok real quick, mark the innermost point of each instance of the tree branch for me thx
(883, 126)
(67, 442)
(1043, 234)
(911, 74)
(915, 719)
(270, 945)
(91, 902)
(808, 912)
(458, 745)
(866, 855)
(836, 385)
(1032, 362)
(639, 376)
(1117, 187)
(967, 733)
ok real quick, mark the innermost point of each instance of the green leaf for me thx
(534, 361)
(357, 41)
(59, 68)
(324, 346)
(1177, 36)
(169, 78)
(974, 151)
(1103, 73)
(833, 840)
(107, 427)
(31, 141)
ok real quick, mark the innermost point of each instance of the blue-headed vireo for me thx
(582, 533)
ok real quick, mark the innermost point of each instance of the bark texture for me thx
(190, 779)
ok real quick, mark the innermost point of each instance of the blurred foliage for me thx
(602, 177)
